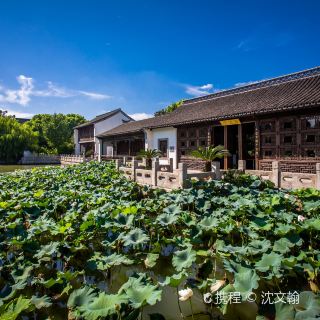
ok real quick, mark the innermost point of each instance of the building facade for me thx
(85, 135)
(275, 119)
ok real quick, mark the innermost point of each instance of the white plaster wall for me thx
(169, 133)
(76, 142)
(106, 125)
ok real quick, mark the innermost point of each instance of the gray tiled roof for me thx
(293, 91)
(102, 117)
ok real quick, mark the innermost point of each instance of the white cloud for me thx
(94, 95)
(199, 90)
(140, 116)
(19, 114)
(22, 96)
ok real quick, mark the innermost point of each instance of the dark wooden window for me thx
(163, 147)
(203, 132)
(287, 125)
(287, 139)
(182, 144)
(310, 138)
(192, 143)
(267, 126)
(310, 153)
(268, 153)
(202, 143)
(288, 153)
(192, 133)
(182, 134)
(267, 139)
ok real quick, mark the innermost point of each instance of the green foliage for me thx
(14, 138)
(210, 154)
(84, 242)
(55, 131)
(168, 109)
(149, 154)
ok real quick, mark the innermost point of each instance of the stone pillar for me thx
(171, 164)
(134, 168)
(242, 165)
(182, 171)
(125, 161)
(118, 163)
(100, 147)
(215, 167)
(154, 170)
(318, 176)
(276, 174)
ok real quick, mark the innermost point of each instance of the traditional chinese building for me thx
(275, 119)
(85, 135)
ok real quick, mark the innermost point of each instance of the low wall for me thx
(169, 180)
(163, 176)
(128, 172)
(284, 179)
(69, 159)
(144, 176)
(265, 175)
(293, 180)
(201, 175)
(40, 159)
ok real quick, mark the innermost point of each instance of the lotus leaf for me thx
(183, 259)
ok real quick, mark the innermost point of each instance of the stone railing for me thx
(40, 159)
(68, 159)
(166, 178)
(283, 179)
(306, 165)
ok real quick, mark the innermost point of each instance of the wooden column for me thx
(257, 144)
(278, 142)
(209, 136)
(225, 137)
(129, 147)
(240, 149)
(298, 137)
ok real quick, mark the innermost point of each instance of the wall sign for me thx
(229, 122)
(171, 148)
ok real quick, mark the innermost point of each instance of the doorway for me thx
(248, 144)
(163, 147)
(232, 146)
(218, 139)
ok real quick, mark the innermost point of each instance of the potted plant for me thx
(148, 155)
(210, 154)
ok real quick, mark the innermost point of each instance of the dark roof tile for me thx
(279, 94)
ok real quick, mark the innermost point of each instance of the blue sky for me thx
(92, 56)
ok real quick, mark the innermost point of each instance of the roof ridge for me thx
(259, 84)
(105, 113)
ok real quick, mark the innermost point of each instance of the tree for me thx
(168, 109)
(55, 131)
(210, 154)
(149, 154)
(15, 138)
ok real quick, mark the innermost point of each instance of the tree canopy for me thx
(15, 138)
(55, 131)
(173, 106)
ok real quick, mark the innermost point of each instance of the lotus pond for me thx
(83, 242)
